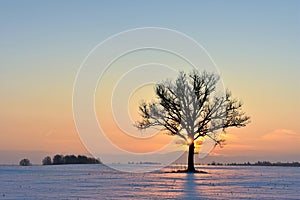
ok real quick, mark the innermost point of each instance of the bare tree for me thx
(190, 108)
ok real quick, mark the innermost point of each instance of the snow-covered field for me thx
(100, 182)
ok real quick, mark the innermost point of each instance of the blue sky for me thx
(52, 31)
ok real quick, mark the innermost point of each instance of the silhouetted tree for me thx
(93, 161)
(47, 160)
(82, 159)
(58, 159)
(25, 162)
(190, 108)
(70, 159)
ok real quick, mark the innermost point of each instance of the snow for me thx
(101, 182)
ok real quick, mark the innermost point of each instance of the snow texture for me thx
(101, 182)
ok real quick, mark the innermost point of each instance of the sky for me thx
(255, 45)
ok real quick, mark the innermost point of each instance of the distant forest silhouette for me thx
(260, 163)
(69, 159)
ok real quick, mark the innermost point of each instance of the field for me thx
(101, 182)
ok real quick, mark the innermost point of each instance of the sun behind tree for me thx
(190, 108)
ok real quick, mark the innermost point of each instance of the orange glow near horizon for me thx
(45, 124)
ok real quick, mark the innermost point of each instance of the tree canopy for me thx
(191, 108)
(25, 162)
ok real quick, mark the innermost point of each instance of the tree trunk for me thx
(191, 167)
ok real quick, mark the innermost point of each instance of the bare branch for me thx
(189, 108)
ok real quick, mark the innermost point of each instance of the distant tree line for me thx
(260, 163)
(144, 163)
(69, 159)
